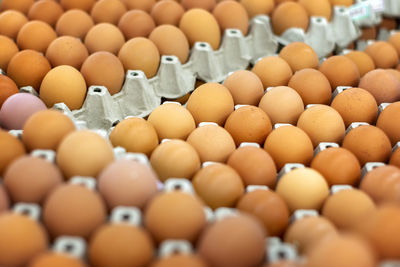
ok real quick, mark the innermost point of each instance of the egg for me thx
(63, 84)
(338, 166)
(254, 165)
(317, 8)
(135, 135)
(363, 61)
(67, 50)
(388, 123)
(212, 143)
(394, 72)
(257, 7)
(7, 88)
(104, 37)
(368, 143)
(11, 21)
(167, 12)
(341, 2)
(289, 144)
(204, 4)
(30, 179)
(22, 5)
(46, 10)
(289, 15)
(245, 87)
(17, 109)
(170, 40)
(340, 71)
(245, 249)
(273, 71)
(56, 259)
(395, 158)
(394, 40)
(75, 22)
(4, 199)
(9, 49)
(120, 245)
(200, 26)
(180, 260)
(85, 5)
(282, 105)
(140, 54)
(210, 102)
(383, 54)
(21, 72)
(269, 208)
(27, 36)
(231, 15)
(211, 183)
(22, 238)
(144, 5)
(384, 86)
(108, 11)
(11, 149)
(136, 23)
(299, 56)
(175, 158)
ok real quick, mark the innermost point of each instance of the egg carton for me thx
(392, 8)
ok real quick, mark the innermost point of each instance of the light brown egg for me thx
(257, 7)
(341, 2)
(7, 89)
(67, 50)
(254, 165)
(312, 86)
(384, 86)
(136, 23)
(108, 11)
(204, 4)
(104, 37)
(170, 40)
(27, 36)
(212, 143)
(8, 50)
(368, 143)
(73, 210)
(340, 71)
(135, 135)
(394, 40)
(85, 5)
(338, 166)
(282, 105)
(200, 26)
(104, 69)
(211, 185)
(22, 238)
(11, 21)
(300, 56)
(83, 153)
(140, 54)
(388, 123)
(269, 208)
(180, 260)
(245, 249)
(394, 72)
(63, 84)
(47, 11)
(167, 12)
(21, 5)
(49, 259)
(11, 149)
(289, 15)
(383, 54)
(363, 61)
(20, 68)
(231, 15)
(273, 71)
(75, 23)
(245, 87)
(395, 158)
(144, 5)
(120, 245)
(4, 199)
(317, 8)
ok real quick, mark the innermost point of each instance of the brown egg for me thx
(11, 149)
(273, 71)
(22, 238)
(210, 102)
(85, 5)
(11, 21)
(67, 50)
(4, 199)
(105, 69)
(180, 260)
(47, 11)
(136, 23)
(120, 245)
(75, 23)
(394, 72)
(140, 54)
(258, 7)
(27, 36)
(384, 86)
(254, 165)
(394, 40)
(144, 5)
(282, 105)
(388, 123)
(20, 68)
(211, 183)
(245, 87)
(395, 158)
(269, 208)
(341, 2)
(49, 259)
(167, 12)
(172, 207)
(304, 233)
(30, 179)
(368, 143)
(7, 88)
(317, 8)
(204, 4)
(356, 105)
(135, 135)
(212, 143)
(340, 71)
(200, 26)
(104, 37)
(312, 86)
(8, 50)
(289, 15)
(300, 56)
(231, 15)
(383, 54)
(21, 5)
(363, 61)
(83, 153)
(108, 11)
(338, 166)
(246, 246)
(63, 84)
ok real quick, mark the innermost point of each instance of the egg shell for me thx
(22, 5)
(383, 54)
(85, 5)
(289, 15)
(108, 11)
(180, 260)
(67, 50)
(204, 4)
(318, 8)
(383, 85)
(144, 5)
(363, 61)
(341, 2)
(167, 12)
(11, 21)
(231, 15)
(50, 259)
(75, 23)
(299, 56)
(394, 72)
(11, 148)
(388, 123)
(8, 50)
(258, 7)
(273, 71)
(136, 23)
(47, 11)
(27, 36)
(7, 88)
(104, 37)
(4, 199)
(395, 158)
(340, 71)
